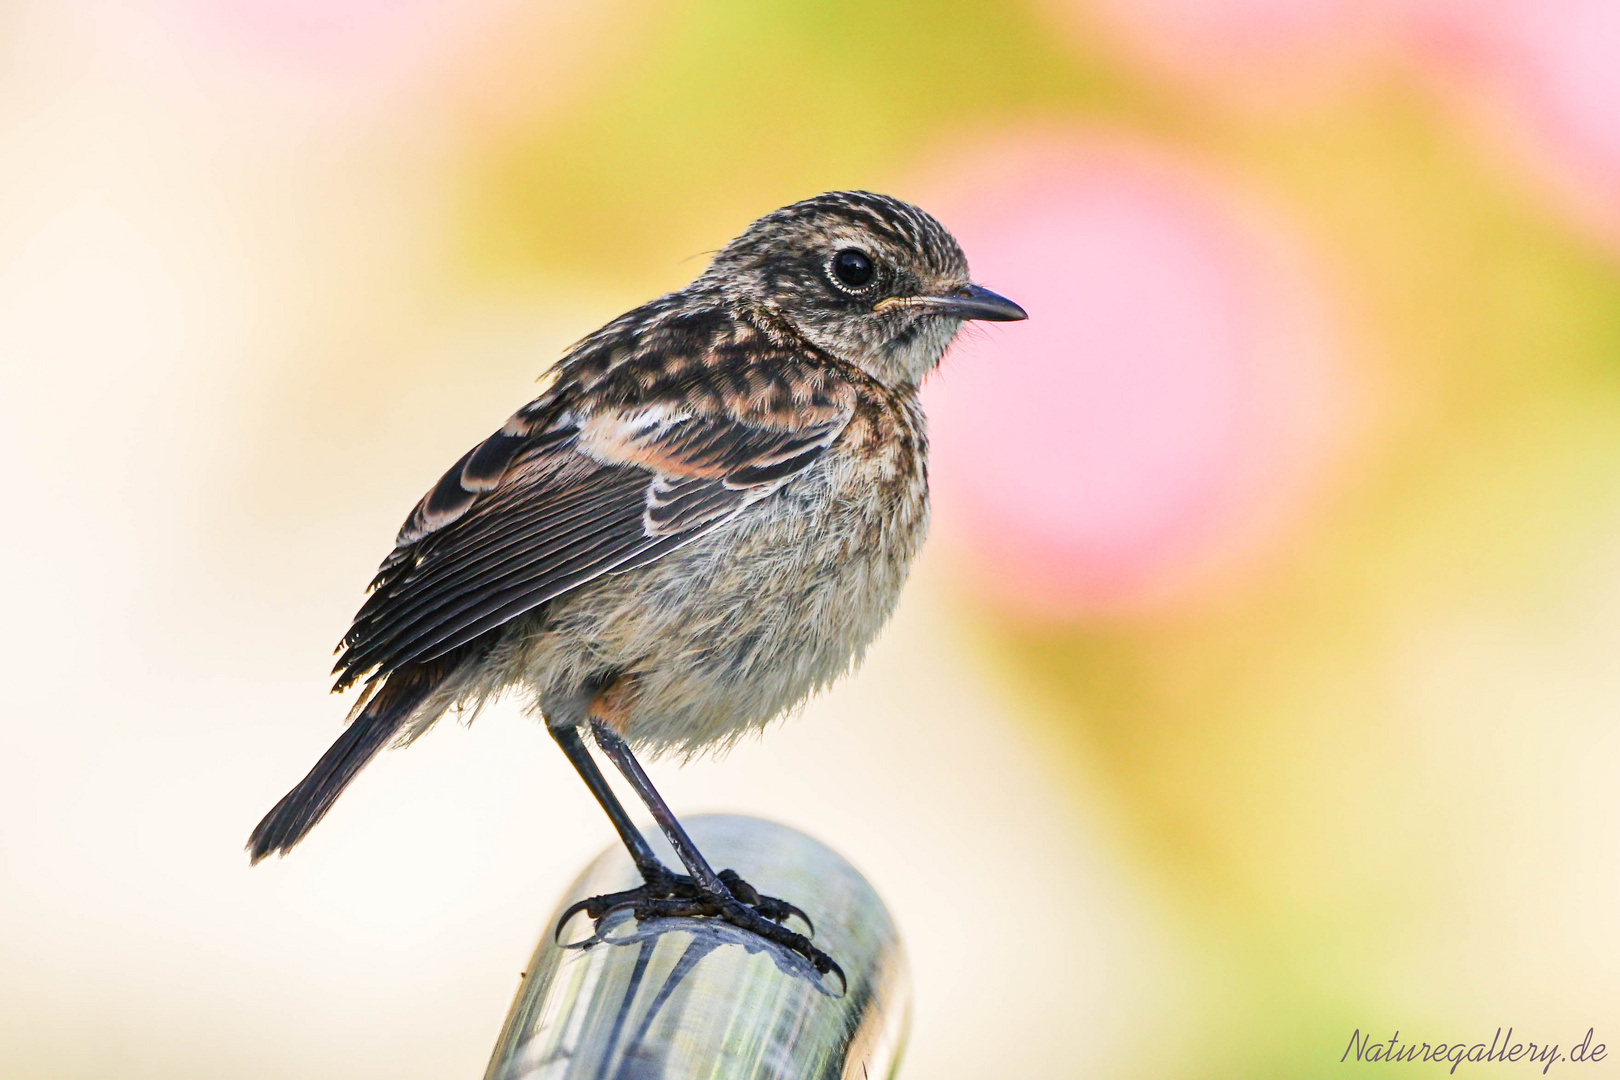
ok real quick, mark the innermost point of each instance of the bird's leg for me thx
(657, 879)
(573, 747)
(618, 752)
(725, 895)
(702, 874)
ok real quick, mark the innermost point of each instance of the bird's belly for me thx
(727, 633)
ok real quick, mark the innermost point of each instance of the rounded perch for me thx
(684, 999)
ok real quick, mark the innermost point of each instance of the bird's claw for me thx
(773, 908)
(745, 916)
(667, 895)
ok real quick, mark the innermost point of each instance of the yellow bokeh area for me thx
(1184, 756)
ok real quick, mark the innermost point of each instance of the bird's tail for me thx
(378, 723)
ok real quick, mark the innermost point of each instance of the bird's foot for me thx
(667, 895)
(660, 885)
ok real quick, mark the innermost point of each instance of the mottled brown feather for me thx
(645, 442)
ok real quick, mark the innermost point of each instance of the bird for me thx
(704, 519)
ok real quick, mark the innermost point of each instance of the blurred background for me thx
(1259, 682)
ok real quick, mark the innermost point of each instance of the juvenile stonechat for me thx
(705, 519)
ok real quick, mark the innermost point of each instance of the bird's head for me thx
(870, 279)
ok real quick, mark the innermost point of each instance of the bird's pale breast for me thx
(725, 634)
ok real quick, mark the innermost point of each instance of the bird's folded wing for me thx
(550, 502)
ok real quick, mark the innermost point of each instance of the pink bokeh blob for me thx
(1268, 53)
(357, 36)
(334, 31)
(321, 61)
(1544, 76)
(1153, 416)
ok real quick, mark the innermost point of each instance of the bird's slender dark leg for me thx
(717, 894)
(657, 879)
(618, 752)
(574, 748)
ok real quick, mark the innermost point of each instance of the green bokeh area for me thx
(696, 117)
(1271, 775)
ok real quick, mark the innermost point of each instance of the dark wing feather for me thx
(553, 501)
(424, 610)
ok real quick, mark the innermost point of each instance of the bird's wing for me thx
(563, 495)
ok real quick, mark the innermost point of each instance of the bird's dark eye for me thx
(852, 267)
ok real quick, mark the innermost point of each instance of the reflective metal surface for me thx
(687, 999)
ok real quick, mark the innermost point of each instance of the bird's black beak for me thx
(968, 302)
(978, 302)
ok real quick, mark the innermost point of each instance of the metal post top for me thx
(684, 999)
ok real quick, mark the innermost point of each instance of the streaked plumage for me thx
(706, 517)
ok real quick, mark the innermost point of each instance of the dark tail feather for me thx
(302, 807)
